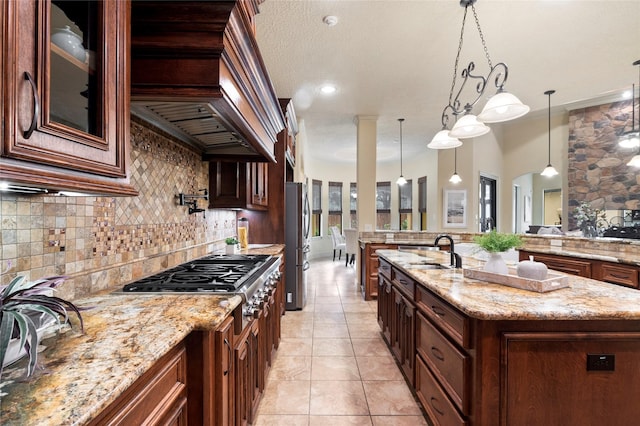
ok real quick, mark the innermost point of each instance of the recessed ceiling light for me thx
(330, 20)
(328, 89)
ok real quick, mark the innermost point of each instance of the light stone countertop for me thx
(586, 253)
(80, 375)
(584, 299)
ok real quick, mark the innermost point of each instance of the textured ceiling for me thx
(394, 58)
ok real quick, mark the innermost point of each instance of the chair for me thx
(338, 242)
(351, 241)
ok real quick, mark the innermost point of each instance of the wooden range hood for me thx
(197, 73)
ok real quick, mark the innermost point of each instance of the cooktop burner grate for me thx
(215, 273)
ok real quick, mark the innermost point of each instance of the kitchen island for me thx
(479, 353)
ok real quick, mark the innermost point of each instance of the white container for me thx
(532, 269)
(70, 42)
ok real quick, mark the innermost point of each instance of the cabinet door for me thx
(224, 374)
(67, 93)
(549, 379)
(385, 307)
(243, 388)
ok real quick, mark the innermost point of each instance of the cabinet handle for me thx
(36, 106)
(401, 281)
(618, 276)
(226, 342)
(434, 403)
(437, 353)
(437, 310)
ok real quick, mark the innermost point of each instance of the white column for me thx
(366, 172)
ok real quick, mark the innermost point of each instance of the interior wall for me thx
(525, 144)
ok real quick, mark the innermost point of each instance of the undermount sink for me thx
(423, 265)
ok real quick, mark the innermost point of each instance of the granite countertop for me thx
(586, 253)
(584, 299)
(79, 375)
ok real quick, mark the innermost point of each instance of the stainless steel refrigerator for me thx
(297, 223)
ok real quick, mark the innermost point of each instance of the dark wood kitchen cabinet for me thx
(396, 316)
(159, 397)
(238, 185)
(369, 267)
(385, 304)
(249, 380)
(601, 270)
(66, 95)
(212, 375)
(227, 184)
(569, 265)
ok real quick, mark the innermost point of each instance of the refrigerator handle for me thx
(305, 265)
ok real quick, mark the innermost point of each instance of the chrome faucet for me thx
(456, 260)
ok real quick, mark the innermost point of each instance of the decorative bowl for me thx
(70, 42)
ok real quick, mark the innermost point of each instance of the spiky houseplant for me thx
(20, 300)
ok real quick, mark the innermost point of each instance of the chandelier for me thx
(502, 106)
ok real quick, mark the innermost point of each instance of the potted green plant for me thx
(495, 244)
(233, 245)
(27, 309)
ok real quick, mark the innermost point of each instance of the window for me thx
(335, 205)
(316, 207)
(422, 202)
(353, 205)
(406, 208)
(488, 203)
(383, 205)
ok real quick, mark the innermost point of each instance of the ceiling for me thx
(395, 58)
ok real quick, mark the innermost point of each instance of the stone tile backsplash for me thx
(104, 242)
(597, 166)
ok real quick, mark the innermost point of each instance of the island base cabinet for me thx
(549, 380)
(439, 408)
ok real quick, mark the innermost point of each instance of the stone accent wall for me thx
(597, 167)
(105, 242)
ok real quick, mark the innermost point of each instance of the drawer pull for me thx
(614, 275)
(437, 310)
(437, 353)
(401, 281)
(434, 404)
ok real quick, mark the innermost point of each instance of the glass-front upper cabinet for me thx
(67, 90)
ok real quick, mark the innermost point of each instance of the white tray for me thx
(553, 281)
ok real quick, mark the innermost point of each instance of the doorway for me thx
(488, 204)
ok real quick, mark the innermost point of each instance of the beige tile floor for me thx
(332, 367)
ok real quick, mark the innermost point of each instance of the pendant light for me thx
(631, 139)
(401, 180)
(549, 171)
(503, 106)
(455, 177)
